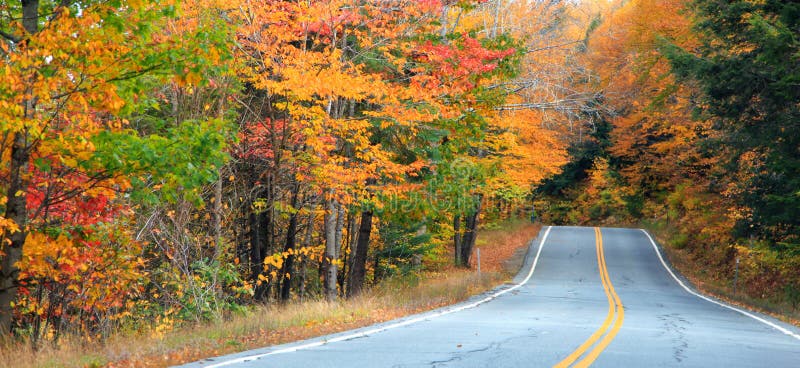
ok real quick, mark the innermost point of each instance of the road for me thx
(585, 296)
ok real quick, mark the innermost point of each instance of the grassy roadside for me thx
(692, 270)
(502, 251)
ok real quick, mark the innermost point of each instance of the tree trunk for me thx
(304, 263)
(470, 233)
(267, 218)
(347, 252)
(352, 238)
(359, 265)
(255, 249)
(30, 16)
(217, 215)
(291, 233)
(263, 242)
(16, 210)
(12, 246)
(339, 232)
(260, 236)
(443, 20)
(331, 270)
(241, 235)
(457, 239)
(496, 19)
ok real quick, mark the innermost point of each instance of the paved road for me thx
(585, 296)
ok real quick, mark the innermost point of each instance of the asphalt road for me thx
(580, 299)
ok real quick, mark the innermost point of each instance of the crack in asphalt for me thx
(676, 326)
(495, 346)
(627, 280)
(458, 356)
(436, 363)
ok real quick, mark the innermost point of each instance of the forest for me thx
(171, 162)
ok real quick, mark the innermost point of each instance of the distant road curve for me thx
(600, 297)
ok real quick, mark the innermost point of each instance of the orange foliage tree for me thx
(75, 70)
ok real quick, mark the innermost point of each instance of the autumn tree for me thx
(312, 137)
(396, 95)
(75, 71)
(645, 122)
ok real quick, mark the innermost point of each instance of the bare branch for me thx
(550, 47)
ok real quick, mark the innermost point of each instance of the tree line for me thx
(169, 161)
(700, 138)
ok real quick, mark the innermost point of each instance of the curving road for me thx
(586, 296)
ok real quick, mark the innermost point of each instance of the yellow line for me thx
(590, 358)
(606, 323)
(614, 309)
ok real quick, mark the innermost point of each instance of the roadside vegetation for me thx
(503, 249)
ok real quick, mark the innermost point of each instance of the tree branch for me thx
(10, 37)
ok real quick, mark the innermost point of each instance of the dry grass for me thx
(502, 251)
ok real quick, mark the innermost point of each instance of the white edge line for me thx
(748, 314)
(394, 325)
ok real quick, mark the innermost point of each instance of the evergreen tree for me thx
(749, 70)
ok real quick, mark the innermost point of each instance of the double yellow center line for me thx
(616, 315)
